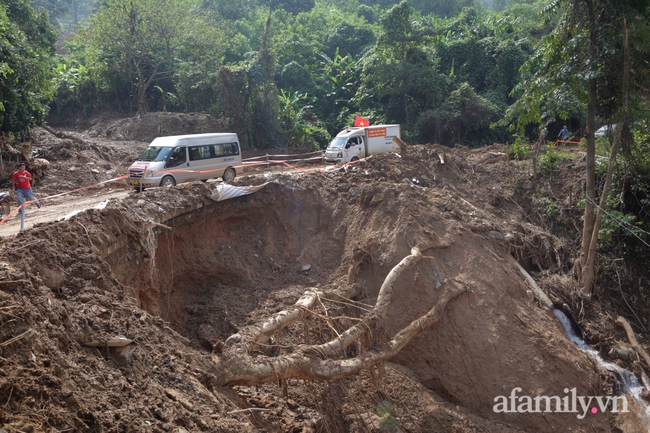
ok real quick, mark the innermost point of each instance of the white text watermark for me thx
(570, 403)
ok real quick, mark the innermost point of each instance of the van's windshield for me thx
(337, 143)
(155, 153)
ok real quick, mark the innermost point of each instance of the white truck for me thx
(355, 143)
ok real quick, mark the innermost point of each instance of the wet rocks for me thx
(624, 353)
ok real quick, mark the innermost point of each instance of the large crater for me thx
(225, 265)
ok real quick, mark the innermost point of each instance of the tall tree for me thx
(26, 51)
(55, 8)
(400, 72)
(568, 73)
(140, 37)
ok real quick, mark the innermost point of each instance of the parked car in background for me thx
(604, 130)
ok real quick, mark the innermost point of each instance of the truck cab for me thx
(346, 146)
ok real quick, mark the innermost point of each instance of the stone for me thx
(52, 277)
(377, 198)
(207, 334)
(71, 401)
(613, 354)
(625, 353)
(493, 234)
(159, 414)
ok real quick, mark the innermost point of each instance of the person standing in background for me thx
(20, 180)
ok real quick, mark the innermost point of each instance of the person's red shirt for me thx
(21, 179)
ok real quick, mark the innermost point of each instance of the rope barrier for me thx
(255, 164)
(244, 164)
(12, 213)
(303, 159)
(274, 156)
(565, 141)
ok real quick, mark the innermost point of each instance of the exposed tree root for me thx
(539, 293)
(324, 362)
(633, 341)
(261, 333)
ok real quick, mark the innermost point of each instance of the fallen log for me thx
(62, 135)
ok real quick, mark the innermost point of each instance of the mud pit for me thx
(206, 269)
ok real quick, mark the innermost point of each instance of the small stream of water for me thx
(638, 418)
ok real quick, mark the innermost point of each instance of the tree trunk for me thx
(142, 94)
(589, 272)
(590, 189)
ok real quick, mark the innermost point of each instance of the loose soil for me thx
(177, 272)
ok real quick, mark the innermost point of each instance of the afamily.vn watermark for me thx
(570, 403)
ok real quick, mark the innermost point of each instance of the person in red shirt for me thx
(20, 180)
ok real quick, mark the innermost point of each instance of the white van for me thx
(185, 158)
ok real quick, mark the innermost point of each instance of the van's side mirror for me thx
(347, 146)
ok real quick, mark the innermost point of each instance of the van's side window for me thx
(200, 152)
(177, 157)
(213, 151)
(227, 149)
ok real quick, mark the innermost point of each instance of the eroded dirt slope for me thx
(209, 268)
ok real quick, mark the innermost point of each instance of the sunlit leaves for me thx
(26, 49)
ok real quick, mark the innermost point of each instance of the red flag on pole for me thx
(360, 121)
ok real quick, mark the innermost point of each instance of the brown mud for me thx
(177, 273)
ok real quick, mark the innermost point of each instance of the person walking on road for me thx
(20, 180)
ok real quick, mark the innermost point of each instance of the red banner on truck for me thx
(378, 132)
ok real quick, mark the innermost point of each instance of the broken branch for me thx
(25, 334)
(633, 341)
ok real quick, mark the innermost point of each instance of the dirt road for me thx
(60, 207)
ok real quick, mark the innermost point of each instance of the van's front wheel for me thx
(354, 158)
(167, 181)
(229, 175)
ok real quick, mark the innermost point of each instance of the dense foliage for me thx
(283, 72)
(287, 72)
(26, 55)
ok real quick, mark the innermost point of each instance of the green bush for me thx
(550, 160)
(520, 149)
